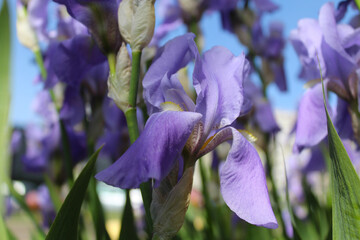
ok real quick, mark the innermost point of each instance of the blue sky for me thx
(24, 69)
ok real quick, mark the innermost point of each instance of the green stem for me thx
(259, 72)
(209, 208)
(40, 62)
(269, 173)
(127, 219)
(64, 136)
(112, 63)
(131, 120)
(67, 153)
(134, 82)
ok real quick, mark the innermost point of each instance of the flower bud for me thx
(119, 84)
(25, 32)
(137, 22)
(170, 203)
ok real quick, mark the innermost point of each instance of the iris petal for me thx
(154, 153)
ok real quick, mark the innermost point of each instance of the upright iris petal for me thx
(218, 81)
(338, 61)
(175, 55)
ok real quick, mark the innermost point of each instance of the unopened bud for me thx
(119, 84)
(25, 32)
(170, 203)
(137, 22)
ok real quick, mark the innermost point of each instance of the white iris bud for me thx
(137, 22)
(119, 84)
(25, 32)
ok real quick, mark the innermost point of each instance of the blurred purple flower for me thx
(177, 125)
(73, 58)
(100, 17)
(338, 50)
(264, 116)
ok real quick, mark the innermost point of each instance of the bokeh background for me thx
(24, 69)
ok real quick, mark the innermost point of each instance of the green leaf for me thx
(96, 211)
(128, 229)
(5, 93)
(65, 225)
(357, 3)
(345, 186)
(3, 230)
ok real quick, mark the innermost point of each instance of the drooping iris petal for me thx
(316, 161)
(342, 120)
(154, 153)
(338, 62)
(218, 81)
(100, 17)
(265, 118)
(174, 55)
(278, 70)
(73, 109)
(311, 125)
(77, 141)
(243, 183)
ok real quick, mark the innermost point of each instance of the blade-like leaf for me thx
(5, 93)
(3, 231)
(96, 211)
(345, 186)
(128, 229)
(65, 225)
(358, 3)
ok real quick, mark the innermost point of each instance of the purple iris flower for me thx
(337, 46)
(179, 127)
(43, 142)
(100, 17)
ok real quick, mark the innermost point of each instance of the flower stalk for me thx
(133, 127)
(64, 137)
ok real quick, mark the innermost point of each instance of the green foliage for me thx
(128, 230)
(3, 231)
(345, 186)
(358, 3)
(5, 93)
(66, 222)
